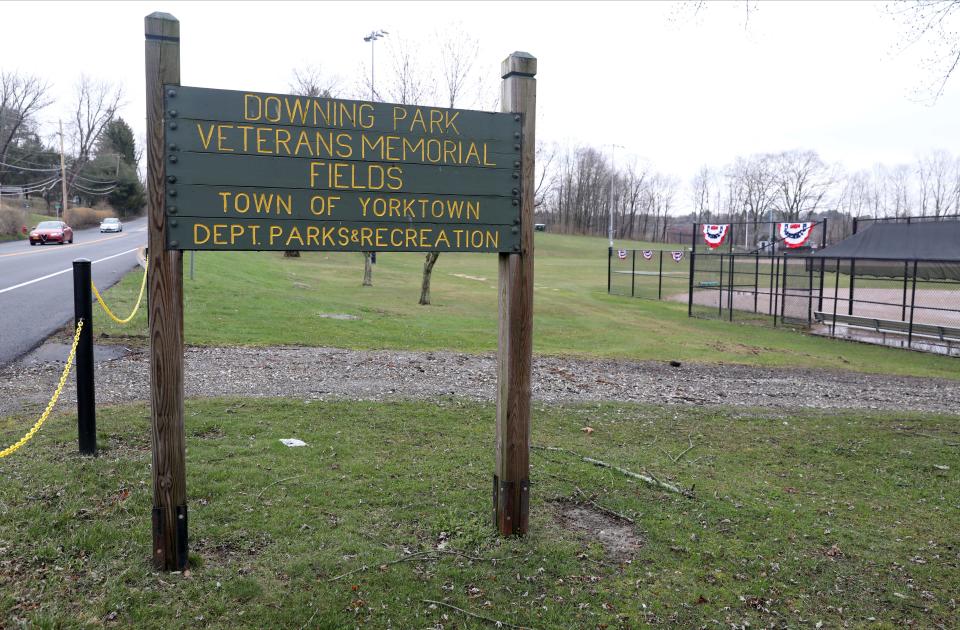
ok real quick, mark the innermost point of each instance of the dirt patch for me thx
(618, 537)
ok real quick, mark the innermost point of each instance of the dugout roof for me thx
(928, 240)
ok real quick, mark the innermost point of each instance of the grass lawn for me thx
(798, 518)
(32, 220)
(261, 298)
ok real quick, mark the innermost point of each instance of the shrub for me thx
(79, 218)
(12, 220)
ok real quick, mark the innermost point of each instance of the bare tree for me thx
(802, 181)
(938, 185)
(934, 24)
(312, 81)
(458, 58)
(21, 98)
(95, 106)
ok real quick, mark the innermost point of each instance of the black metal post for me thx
(733, 260)
(853, 272)
(906, 274)
(720, 291)
(756, 282)
(633, 273)
(775, 293)
(770, 309)
(913, 303)
(809, 263)
(836, 292)
(693, 256)
(660, 278)
(609, 263)
(783, 300)
(86, 403)
(822, 277)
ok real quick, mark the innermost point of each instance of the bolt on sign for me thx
(253, 171)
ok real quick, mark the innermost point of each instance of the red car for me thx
(51, 232)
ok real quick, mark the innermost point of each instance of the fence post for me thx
(775, 294)
(511, 479)
(693, 256)
(660, 278)
(756, 281)
(86, 395)
(906, 274)
(913, 303)
(733, 261)
(783, 300)
(853, 272)
(809, 263)
(720, 291)
(165, 300)
(836, 292)
(609, 263)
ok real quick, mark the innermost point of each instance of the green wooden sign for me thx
(267, 171)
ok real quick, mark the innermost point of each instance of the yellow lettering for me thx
(298, 110)
(303, 140)
(397, 117)
(260, 139)
(285, 142)
(236, 230)
(196, 234)
(313, 172)
(221, 138)
(294, 235)
(436, 118)
(441, 238)
(275, 232)
(485, 161)
(418, 117)
(493, 239)
(246, 132)
(344, 150)
(218, 237)
(275, 103)
(394, 175)
(248, 100)
(396, 232)
(237, 198)
(313, 235)
(205, 141)
(366, 118)
(225, 196)
(450, 121)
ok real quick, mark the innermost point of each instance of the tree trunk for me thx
(428, 263)
(367, 270)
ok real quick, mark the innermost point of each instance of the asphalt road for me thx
(36, 283)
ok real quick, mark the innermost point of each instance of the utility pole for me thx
(63, 176)
(613, 176)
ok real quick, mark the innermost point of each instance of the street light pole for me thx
(613, 173)
(373, 37)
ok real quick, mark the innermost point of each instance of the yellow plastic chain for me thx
(46, 412)
(135, 308)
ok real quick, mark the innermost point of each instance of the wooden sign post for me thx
(165, 314)
(238, 170)
(511, 481)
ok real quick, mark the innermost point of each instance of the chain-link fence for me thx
(904, 303)
(648, 273)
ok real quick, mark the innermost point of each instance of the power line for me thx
(33, 170)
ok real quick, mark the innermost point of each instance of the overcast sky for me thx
(677, 89)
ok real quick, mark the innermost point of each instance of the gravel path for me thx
(329, 373)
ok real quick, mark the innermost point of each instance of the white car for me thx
(111, 225)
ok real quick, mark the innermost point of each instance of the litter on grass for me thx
(293, 442)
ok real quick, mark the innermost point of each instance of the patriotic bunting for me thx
(647, 254)
(795, 234)
(622, 254)
(677, 256)
(714, 235)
